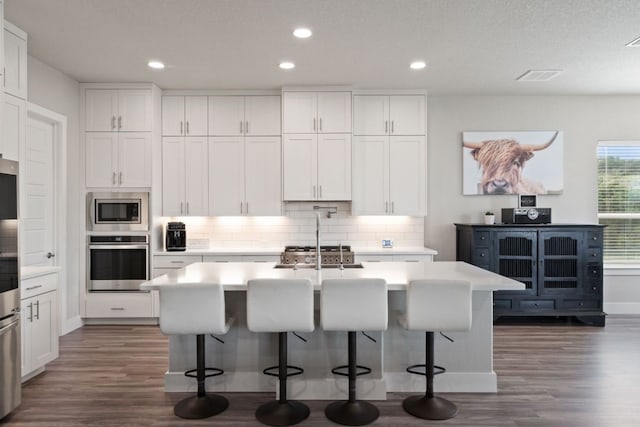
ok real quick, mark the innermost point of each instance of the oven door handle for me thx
(118, 246)
(10, 326)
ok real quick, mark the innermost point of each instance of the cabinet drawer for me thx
(594, 239)
(373, 258)
(580, 304)
(175, 261)
(502, 304)
(222, 258)
(119, 304)
(261, 258)
(38, 285)
(537, 305)
(481, 238)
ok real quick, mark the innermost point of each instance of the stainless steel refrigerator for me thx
(10, 359)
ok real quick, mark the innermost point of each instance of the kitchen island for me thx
(243, 356)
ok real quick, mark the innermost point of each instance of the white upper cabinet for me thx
(263, 176)
(389, 115)
(317, 112)
(118, 159)
(232, 115)
(118, 110)
(184, 115)
(389, 175)
(184, 176)
(15, 61)
(14, 117)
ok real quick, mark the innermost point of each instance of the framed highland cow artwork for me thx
(512, 162)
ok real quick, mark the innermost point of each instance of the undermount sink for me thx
(311, 266)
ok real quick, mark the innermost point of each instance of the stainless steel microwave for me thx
(118, 211)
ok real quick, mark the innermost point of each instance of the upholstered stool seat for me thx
(281, 305)
(435, 306)
(195, 309)
(353, 305)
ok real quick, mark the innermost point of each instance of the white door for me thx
(226, 115)
(371, 175)
(172, 115)
(299, 112)
(195, 115)
(262, 115)
(38, 215)
(334, 167)
(263, 188)
(134, 159)
(407, 175)
(226, 176)
(101, 159)
(196, 176)
(370, 115)
(407, 114)
(134, 110)
(299, 168)
(101, 110)
(334, 112)
(173, 170)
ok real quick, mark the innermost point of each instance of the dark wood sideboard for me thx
(560, 264)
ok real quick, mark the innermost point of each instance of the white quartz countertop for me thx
(358, 250)
(234, 275)
(37, 270)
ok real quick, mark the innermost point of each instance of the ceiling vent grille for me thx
(538, 75)
(634, 43)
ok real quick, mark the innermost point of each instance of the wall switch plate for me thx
(387, 243)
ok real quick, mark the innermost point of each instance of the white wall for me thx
(58, 92)
(584, 120)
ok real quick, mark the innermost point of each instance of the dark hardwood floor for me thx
(549, 375)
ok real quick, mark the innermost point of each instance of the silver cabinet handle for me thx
(180, 127)
(120, 178)
(50, 255)
(392, 122)
(241, 207)
(320, 191)
(314, 191)
(113, 179)
(246, 127)
(320, 124)
(177, 262)
(181, 208)
(119, 122)
(30, 318)
(240, 126)
(37, 310)
(386, 207)
(246, 210)
(113, 122)
(117, 308)
(386, 126)
(314, 124)
(187, 208)
(187, 127)
(34, 287)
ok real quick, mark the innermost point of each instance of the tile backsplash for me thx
(297, 227)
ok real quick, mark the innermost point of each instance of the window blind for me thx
(619, 199)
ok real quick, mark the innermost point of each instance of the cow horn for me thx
(539, 147)
(472, 145)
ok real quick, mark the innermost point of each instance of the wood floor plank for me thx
(548, 375)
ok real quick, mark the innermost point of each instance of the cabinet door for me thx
(101, 159)
(334, 112)
(263, 184)
(515, 256)
(407, 175)
(299, 177)
(370, 115)
(173, 171)
(299, 112)
(262, 115)
(172, 115)
(134, 159)
(26, 314)
(15, 63)
(370, 175)
(14, 119)
(226, 115)
(196, 176)
(101, 110)
(407, 115)
(226, 176)
(134, 110)
(334, 167)
(44, 330)
(195, 114)
(559, 262)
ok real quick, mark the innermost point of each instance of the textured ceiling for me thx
(470, 46)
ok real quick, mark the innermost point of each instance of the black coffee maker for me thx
(176, 237)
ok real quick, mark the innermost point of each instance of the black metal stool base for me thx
(197, 407)
(348, 413)
(430, 408)
(276, 413)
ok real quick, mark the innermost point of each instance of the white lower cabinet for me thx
(104, 305)
(39, 323)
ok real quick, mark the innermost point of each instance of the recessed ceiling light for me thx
(287, 65)
(155, 65)
(302, 33)
(417, 65)
(538, 75)
(634, 43)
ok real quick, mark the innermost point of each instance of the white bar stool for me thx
(353, 305)
(435, 306)
(281, 305)
(195, 309)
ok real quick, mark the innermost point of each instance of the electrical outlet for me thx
(387, 243)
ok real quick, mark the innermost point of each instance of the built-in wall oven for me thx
(117, 262)
(123, 211)
(10, 360)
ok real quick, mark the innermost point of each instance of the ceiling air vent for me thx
(634, 43)
(538, 75)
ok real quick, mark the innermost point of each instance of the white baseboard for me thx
(622, 307)
(121, 321)
(70, 325)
